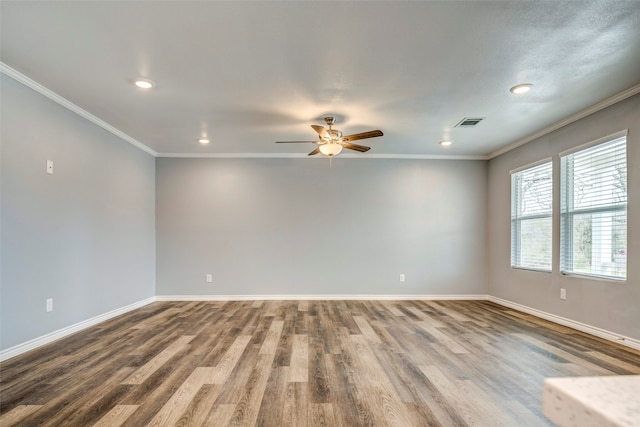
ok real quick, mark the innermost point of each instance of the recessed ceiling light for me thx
(144, 83)
(522, 88)
(204, 140)
(445, 143)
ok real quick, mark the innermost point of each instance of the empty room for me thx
(320, 213)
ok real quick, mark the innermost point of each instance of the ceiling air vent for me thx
(469, 122)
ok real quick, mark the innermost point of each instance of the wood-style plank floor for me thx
(304, 363)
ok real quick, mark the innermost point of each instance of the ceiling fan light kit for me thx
(330, 149)
(331, 142)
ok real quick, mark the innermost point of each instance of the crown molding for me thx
(32, 84)
(568, 120)
(234, 155)
(42, 90)
(305, 156)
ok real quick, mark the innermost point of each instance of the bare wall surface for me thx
(608, 305)
(83, 236)
(296, 226)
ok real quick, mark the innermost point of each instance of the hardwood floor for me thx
(299, 363)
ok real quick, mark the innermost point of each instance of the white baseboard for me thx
(61, 333)
(592, 330)
(323, 297)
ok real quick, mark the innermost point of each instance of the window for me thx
(531, 204)
(593, 209)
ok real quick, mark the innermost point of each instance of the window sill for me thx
(538, 270)
(593, 277)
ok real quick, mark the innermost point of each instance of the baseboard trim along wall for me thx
(315, 297)
(592, 330)
(582, 327)
(61, 333)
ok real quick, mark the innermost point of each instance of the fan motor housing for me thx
(334, 134)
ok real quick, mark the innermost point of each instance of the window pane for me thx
(531, 205)
(599, 243)
(594, 210)
(600, 176)
(535, 249)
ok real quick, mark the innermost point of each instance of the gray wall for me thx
(86, 235)
(297, 227)
(83, 236)
(608, 305)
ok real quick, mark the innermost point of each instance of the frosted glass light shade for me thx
(330, 149)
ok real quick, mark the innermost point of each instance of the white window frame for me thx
(567, 211)
(517, 219)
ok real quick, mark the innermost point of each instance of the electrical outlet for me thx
(209, 278)
(563, 293)
(49, 304)
(402, 277)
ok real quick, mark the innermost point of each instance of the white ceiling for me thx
(249, 73)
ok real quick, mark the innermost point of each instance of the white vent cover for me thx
(468, 122)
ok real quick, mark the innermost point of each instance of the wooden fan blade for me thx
(296, 142)
(363, 135)
(314, 152)
(356, 147)
(321, 131)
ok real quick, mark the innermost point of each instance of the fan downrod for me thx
(330, 120)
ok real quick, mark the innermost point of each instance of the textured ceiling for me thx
(249, 73)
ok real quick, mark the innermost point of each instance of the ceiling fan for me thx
(331, 142)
